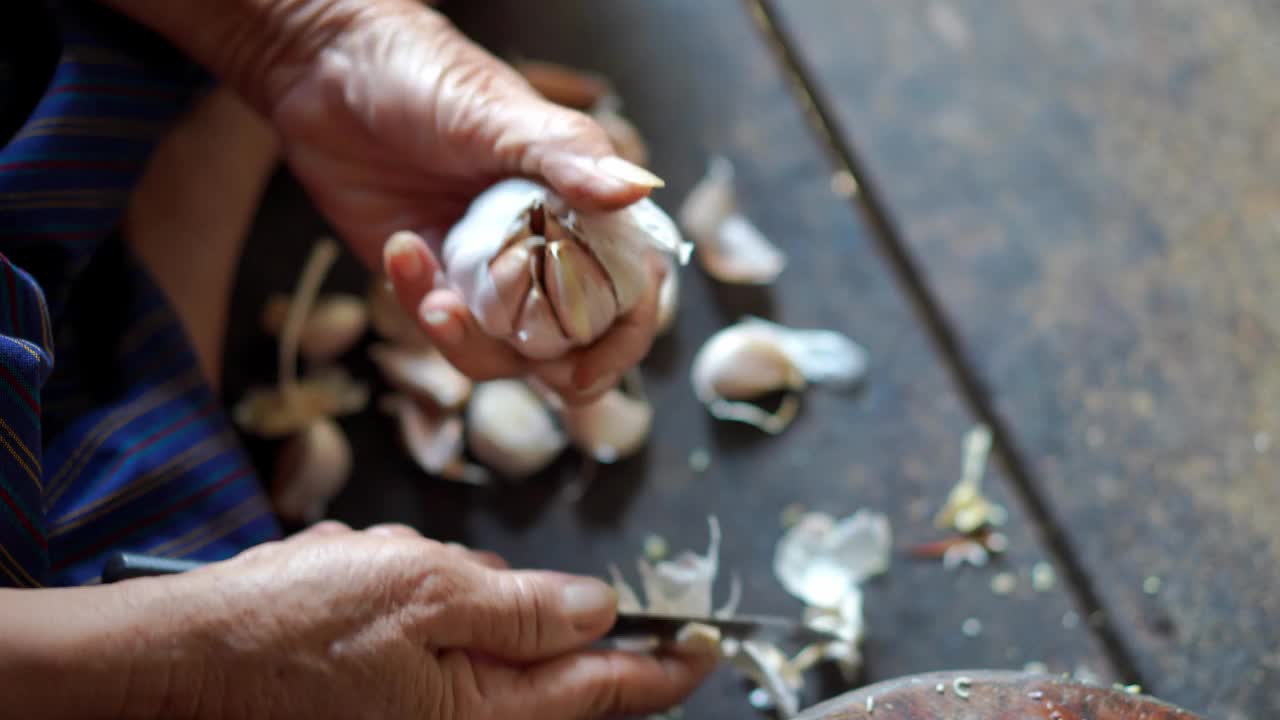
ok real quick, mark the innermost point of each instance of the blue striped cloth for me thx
(109, 437)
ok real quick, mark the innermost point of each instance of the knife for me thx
(125, 566)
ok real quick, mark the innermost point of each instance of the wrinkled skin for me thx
(335, 623)
(397, 123)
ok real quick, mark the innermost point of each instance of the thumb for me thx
(522, 616)
(572, 153)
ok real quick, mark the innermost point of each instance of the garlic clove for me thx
(423, 373)
(755, 357)
(611, 428)
(579, 290)
(564, 85)
(311, 469)
(668, 296)
(510, 430)
(538, 334)
(335, 325)
(730, 248)
(434, 443)
(511, 281)
(277, 411)
(389, 320)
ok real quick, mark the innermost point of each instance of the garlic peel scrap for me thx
(547, 278)
(680, 586)
(275, 411)
(730, 248)
(820, 560)
(967, 509)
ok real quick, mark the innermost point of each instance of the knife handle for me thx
(126, 566)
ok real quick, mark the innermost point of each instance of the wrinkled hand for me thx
(397, 123)
(384, 623)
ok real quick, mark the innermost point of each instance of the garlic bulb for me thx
(546, 278)
(730, 248)
(611, 428)
(422, 372)
(434, 443)
(756, 357)
(311, 469)
(510, 430)
(335, 324)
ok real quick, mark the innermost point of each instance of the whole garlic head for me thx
(546, 278)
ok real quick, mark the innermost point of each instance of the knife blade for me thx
(124, 566)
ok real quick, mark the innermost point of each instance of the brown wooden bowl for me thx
(991, 695)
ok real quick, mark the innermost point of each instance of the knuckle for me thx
(527, 613)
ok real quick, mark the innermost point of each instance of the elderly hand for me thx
(384, 623)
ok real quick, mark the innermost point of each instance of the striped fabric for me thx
(109, 437)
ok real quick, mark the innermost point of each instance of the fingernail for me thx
(446, 328)
(588, 599)
(402, 256)
(629, 172)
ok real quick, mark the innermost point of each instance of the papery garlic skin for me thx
(510, 430)
(311, 469)
(584, 270)
(820, 560)
(730, 248)
(435, 444)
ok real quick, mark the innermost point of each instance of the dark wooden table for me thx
(1068, 227)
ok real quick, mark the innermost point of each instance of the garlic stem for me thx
(314, 270)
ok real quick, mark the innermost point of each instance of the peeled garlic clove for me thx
(579, 290)
(611, 428)
(389, 320)
(668, 296)
(423, 373)
(510, 430)
(730, 248)
(564, 85)
(311, 469)
(626, 139)
(434, 443)
(335, 325)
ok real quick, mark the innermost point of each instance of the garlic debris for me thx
(422, 372)
(613, 427)
(434, 443)
(389, 320)
(334, 325)
(311, 469)
(680, 586)
(967, 510)
(819, 560)
(730, 248)
(546, 278)
(510, 430)
(755, 357)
